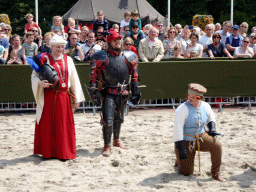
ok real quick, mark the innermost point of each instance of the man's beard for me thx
(116, 50)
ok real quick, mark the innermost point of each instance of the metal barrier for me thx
(174, 102)
(247, 101)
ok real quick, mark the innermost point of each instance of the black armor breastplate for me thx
(117, 71)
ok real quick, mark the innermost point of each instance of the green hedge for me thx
(165, 79)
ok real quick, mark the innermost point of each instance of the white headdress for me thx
(57, 40)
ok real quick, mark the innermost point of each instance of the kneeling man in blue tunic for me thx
(190, 135)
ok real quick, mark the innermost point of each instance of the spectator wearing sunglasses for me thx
(244, 50)
(252, 40)
(137, 35)
(217, 49)
(134, 19)
(5, 44)
(170, 43)
(160, 27)
(6, 30)
(128, 45)
(38, 38)
(206, 39)
(243, 29)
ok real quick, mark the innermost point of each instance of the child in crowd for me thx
(125, 22)
(193, 54)
(45, 48)
(38, 38)
(29, 48)
(72, 26)
(177, 52)
(57, 24)
(57, 32)
(31, 23)
(102, 44)
(126, 31)
(116, 27)
(101, 21)
(134, 18)
(14, 58)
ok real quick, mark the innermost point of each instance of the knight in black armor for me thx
(116, 73)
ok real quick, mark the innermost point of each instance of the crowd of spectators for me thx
(150, 43)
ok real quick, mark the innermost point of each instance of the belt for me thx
(198, 144)
(117, 86)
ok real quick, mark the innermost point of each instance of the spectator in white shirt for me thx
(244, 50)
(125, 22)
(90, 45)
(206, 39)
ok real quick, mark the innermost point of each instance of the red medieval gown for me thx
(55, 133)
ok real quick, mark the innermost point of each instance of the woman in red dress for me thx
(55, 129)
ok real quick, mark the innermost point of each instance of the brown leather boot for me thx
(117, 143)
(216, 176)
(106, 151)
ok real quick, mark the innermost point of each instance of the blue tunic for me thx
(191, 123)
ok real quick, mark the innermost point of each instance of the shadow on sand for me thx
(31, 158)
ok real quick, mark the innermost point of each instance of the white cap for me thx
(57, 40)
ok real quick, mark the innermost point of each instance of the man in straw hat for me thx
(119, 73)
(55, 129)
(189, 133)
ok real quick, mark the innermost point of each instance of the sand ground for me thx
(147, 164)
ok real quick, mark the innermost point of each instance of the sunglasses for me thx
(244, 26)
(34, 30)
(246, 42)
(135, 15)
(216, 37)
(135, 27)
(7, 29)
(128, 44)
(172, 32)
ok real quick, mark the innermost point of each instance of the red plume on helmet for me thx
(113, 35)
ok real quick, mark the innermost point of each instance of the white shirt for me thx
(184, 45)
(197, 48)
(238, 50)
(204, 40)
(151, 43)
(181, 115)
(124, 23)
(86, 47)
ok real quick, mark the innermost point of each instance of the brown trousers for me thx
(211, 144)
